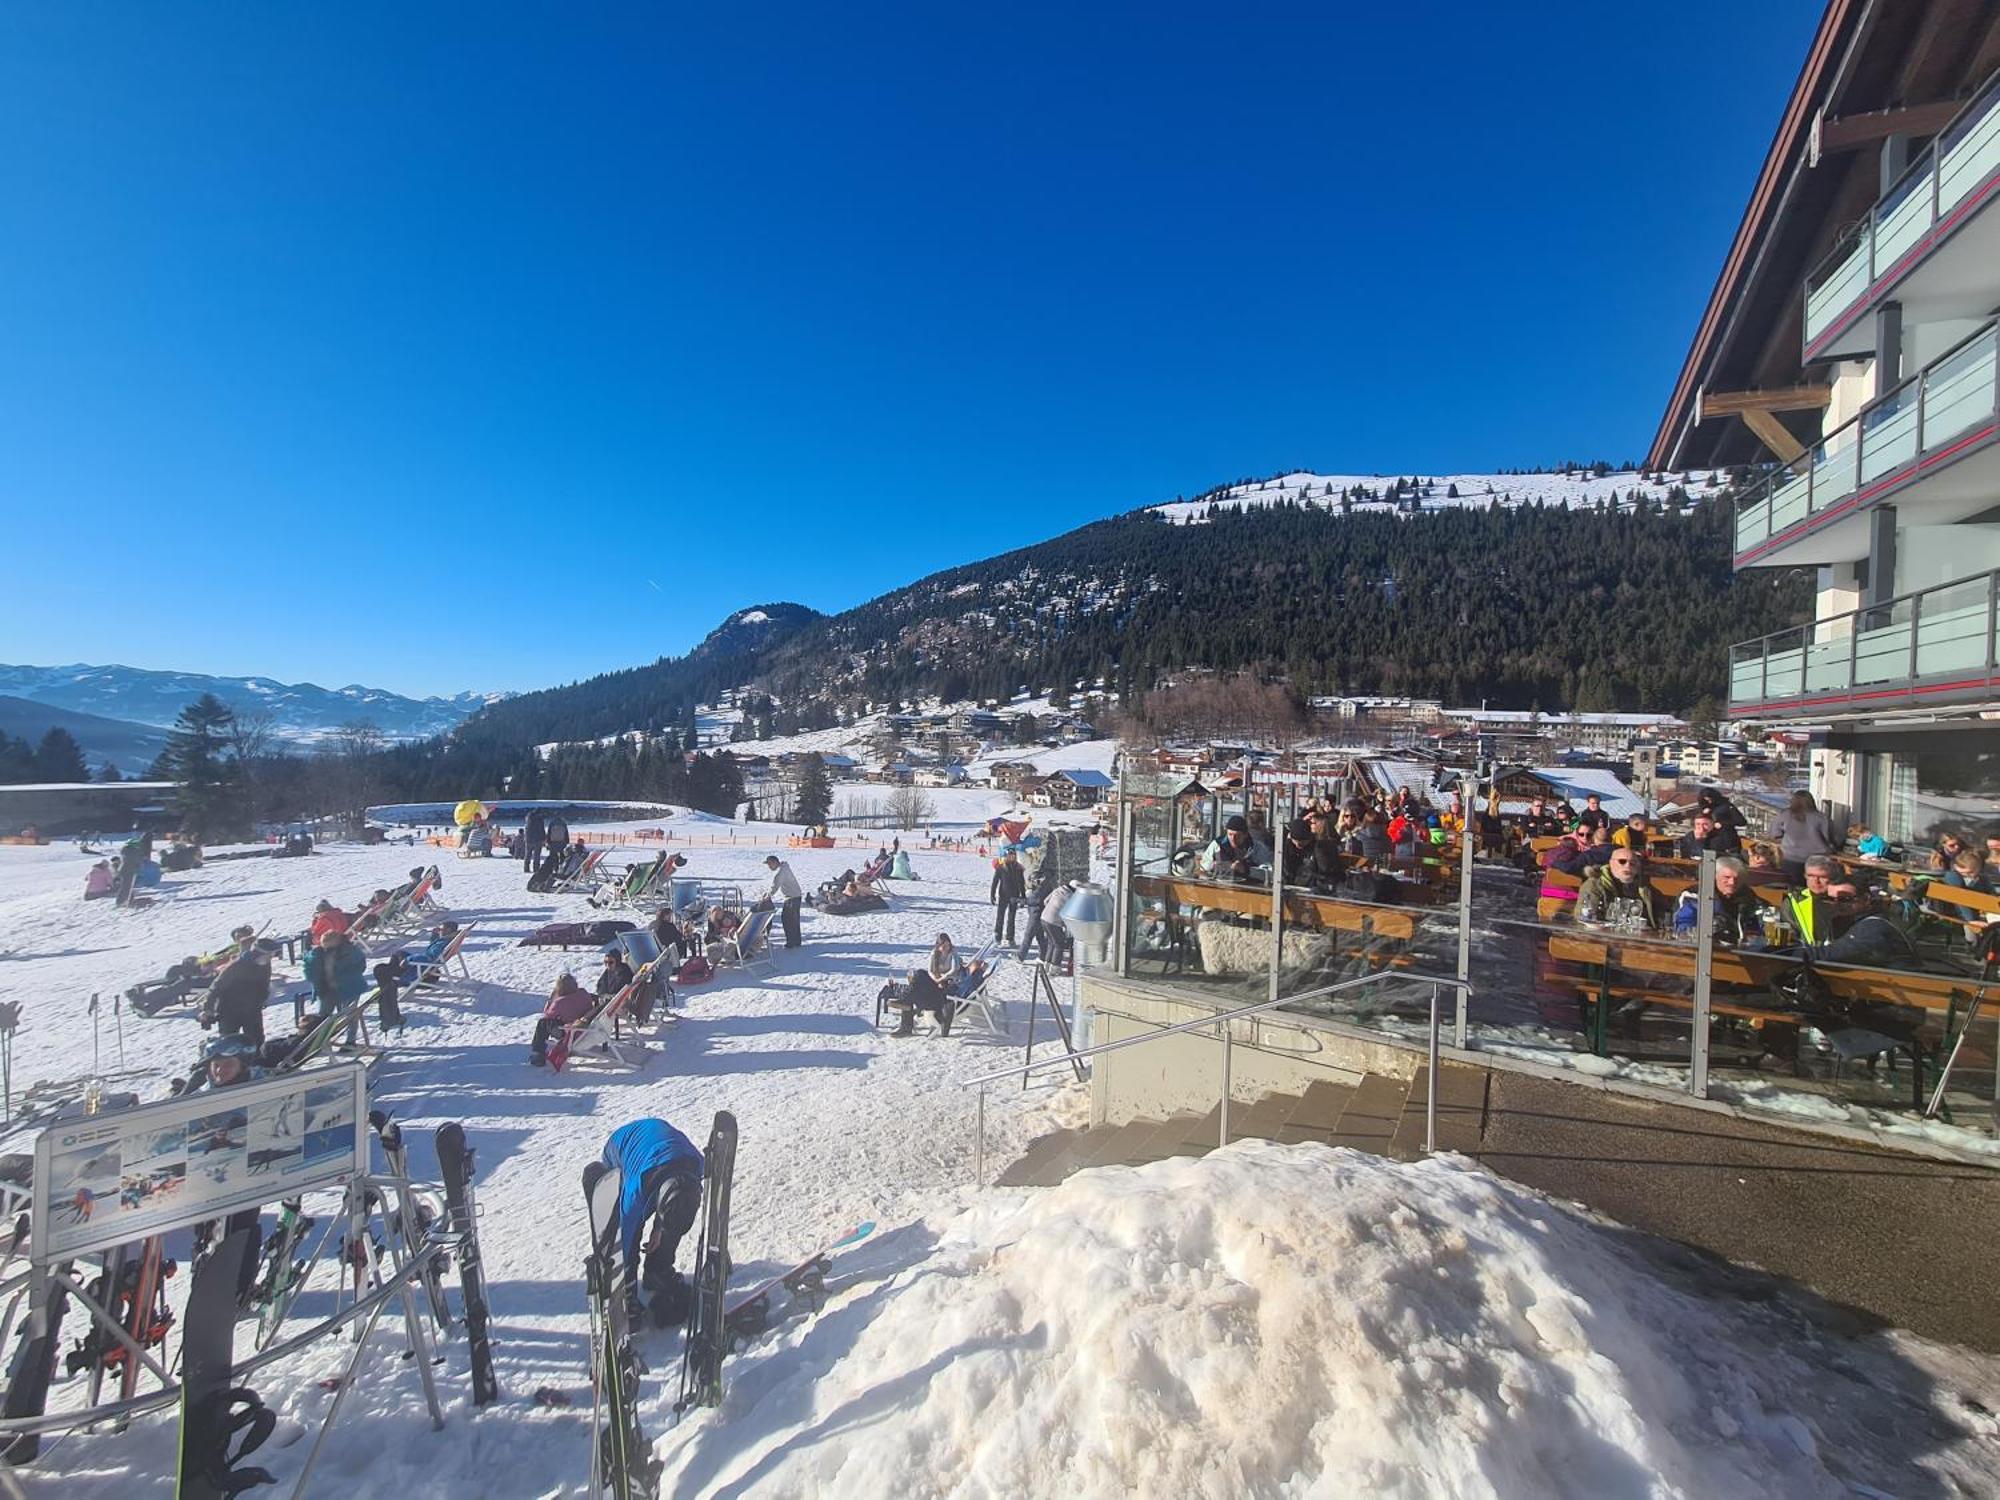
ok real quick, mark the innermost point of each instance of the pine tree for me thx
(815, 800)
(209, 791)
(60, 758)
(108, 772)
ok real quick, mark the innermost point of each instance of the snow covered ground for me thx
(839, 1122)
(1271, 1321)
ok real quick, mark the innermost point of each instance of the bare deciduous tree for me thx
(911, 806)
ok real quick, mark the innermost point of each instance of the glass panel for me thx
(1970, 156)
(1788, 501)
(1883, 652)
(1191, 919)
(1746, 672)
(1889, 433)
(1958, 392)
(1833, 296)
(1951, 629)
(1833, 473)
(1902, 220)
(1752, 524)
(1827, 664)
(1784, 669)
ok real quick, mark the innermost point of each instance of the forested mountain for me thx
(1531, 606)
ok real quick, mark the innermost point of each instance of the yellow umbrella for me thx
(466, 811)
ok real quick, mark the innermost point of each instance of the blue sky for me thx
(484, 346)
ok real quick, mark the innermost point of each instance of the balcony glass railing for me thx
(1952, 168)
(1922, 416)
(1920, 638)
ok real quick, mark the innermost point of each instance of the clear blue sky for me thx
(405, 344)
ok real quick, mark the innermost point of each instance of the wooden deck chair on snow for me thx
(974, 1004)
(597, 1034)
(439, 970)
(748, 947)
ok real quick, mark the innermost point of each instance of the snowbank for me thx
(1274, 1320)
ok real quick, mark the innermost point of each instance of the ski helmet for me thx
(229, 1046)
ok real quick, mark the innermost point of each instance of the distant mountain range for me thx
(302, 713)
(129, 747)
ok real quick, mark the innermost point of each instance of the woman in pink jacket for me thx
(568, 1002)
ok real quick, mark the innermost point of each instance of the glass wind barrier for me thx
(1959, 164)
(1947, 631)
(1925, 414)
(1201, 913)
(1865, 1004)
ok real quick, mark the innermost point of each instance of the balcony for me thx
(1933, 647)
(1936, 429)
(1919, 241)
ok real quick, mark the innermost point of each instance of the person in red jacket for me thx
(326, 918)
(569, 1002)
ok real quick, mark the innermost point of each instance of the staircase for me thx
(1380, 1115)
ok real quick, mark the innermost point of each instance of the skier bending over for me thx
(660, 1178)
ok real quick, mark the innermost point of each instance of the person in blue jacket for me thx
(337, 970)
(659, 1179)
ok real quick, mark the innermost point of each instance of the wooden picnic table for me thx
(1302, 908)
(1749, 969)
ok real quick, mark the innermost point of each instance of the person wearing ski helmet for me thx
(230, 1059)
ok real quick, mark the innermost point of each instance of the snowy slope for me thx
(1581, 489)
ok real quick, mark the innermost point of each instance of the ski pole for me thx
(118, 1016)
(96, 1024)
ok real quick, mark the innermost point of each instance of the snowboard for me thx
(707, 1341)
(750, 1314)
(208, 1420)
(33, 1368)
(455, 1163)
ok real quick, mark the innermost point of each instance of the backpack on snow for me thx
(693, 970)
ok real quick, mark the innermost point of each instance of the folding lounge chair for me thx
(438, 970)
(974, 1004)
(748, 947)
(584, 876)
(596, 1034)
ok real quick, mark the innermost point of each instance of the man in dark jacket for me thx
(659, 1179)
(617, 974)
(1708, 837)
(556, 831)
(1008, 889)
(533, 834)
(238, 996)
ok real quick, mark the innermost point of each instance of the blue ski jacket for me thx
(635, 1150)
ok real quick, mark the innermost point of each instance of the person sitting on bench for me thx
(1618, 894)
(1736, 906)
(568, 1002)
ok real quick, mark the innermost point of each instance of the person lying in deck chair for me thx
(937, 988)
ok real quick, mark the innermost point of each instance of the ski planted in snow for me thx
(455, 1165)
(707, 1340)
(805, 1283)
(412, 1218)
(33, 1368)
(282, 1272)
(621, 1458)
(212, 1413)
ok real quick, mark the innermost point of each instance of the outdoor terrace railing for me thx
(1909, 428)
(1936, 637)
(1954, 169)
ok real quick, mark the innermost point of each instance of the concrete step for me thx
(1203, 1135)
(1262, 1120)
(1114, 1146)
(1165, 1141)
(1368, 1122)
(1461, 1112)
(1316, 1114)
(1045, 1162)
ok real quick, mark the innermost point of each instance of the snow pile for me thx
(1579, 489)
(1268, 1320)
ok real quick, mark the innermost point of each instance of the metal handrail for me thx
(1799, 638)
(1071, 1057)
(1772, 477)
(1927, 162)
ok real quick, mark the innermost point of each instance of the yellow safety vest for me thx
(1800, 904)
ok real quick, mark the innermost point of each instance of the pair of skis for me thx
(622, 1459)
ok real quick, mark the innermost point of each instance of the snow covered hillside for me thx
(1363, 492)
(301, 712)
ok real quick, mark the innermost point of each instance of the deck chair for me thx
(748, 947)
(975, 1005)
(596, 1035)
(583, 876)
(439, 970)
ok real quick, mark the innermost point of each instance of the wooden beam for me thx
(1774, 434)
(1835, 133)
(1789, 398)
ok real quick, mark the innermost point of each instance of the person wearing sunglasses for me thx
(1618, 894)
